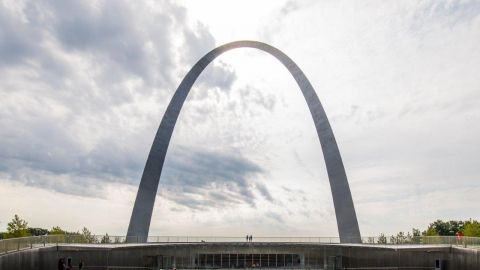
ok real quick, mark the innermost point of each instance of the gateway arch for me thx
(342, 199)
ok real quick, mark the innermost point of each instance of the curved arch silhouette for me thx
(342, 199)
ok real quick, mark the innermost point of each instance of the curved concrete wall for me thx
(344, 210)
(184, 256)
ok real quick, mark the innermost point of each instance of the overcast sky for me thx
(84, 85)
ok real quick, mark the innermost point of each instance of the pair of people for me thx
(248, 238)
(68, 265)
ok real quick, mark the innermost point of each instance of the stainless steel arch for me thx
(344, 210)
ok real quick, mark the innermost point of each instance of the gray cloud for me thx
(192, 37)
(275, 216)
(192, 178)
(288, 7)
(264, 191)
(16, 38)
(113, 39)
(76, 75)
(202, 179)
(48, 146)
(252, 96)
(220, 76)
(111, 35)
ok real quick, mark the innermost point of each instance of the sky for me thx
(84, 85)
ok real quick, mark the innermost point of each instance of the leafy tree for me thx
(472, 228)
(369, 240)
(430, 231)
(118, 240)
(382, 239)
(408, 238)
(393, 240)
(17, 228)
(448, 228)
(87, 236)
(105, 239)
(37, 231)
(56, 230)
(400, 238)
(415, 237)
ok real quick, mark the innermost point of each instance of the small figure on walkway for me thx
(246, 238)
(250, 238)
(80, 265)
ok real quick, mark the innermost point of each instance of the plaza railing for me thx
(23, 243)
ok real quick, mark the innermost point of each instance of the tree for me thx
(87, 236)
(400, 238)
(17, 228)
(430, 232)
(56, 230)
(448, 228)
(382, 239)
(105, 239)
(472, 228)
(415, 239)
(37, 231)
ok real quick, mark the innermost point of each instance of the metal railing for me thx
(17, 244)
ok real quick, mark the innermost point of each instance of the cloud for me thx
(110, 42)
(219, 76)
(79, 82)
(253, 96)
(201, 179)
(193, 178)
(289, 7)
(16, 38)
(275, 216)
